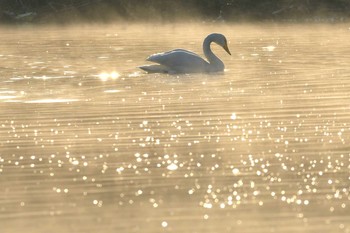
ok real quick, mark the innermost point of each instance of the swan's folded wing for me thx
(180, 60)
(156, 56)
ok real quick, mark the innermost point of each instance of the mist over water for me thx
(90, 143)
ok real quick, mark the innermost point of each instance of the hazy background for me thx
(68, 11)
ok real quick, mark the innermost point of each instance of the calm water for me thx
(89, 143)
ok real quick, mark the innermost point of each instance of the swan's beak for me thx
(226, 49)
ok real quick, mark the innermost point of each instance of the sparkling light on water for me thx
(172, 167)
(108, 76)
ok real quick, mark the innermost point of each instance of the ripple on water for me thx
(48, 101)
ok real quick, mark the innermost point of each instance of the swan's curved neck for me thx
(215, 63)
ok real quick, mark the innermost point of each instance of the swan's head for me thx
(220, 40)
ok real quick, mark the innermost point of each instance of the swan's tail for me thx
(154, 69)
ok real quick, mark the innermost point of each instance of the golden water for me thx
(89, 143)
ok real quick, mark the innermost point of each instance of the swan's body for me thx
(183, 61)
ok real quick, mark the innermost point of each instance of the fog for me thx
(91, 143)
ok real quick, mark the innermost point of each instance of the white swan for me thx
(183, 61)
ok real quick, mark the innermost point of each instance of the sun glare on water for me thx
(107, 76)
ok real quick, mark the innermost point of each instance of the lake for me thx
(91, 143)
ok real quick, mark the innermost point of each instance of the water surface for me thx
(89, 143)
